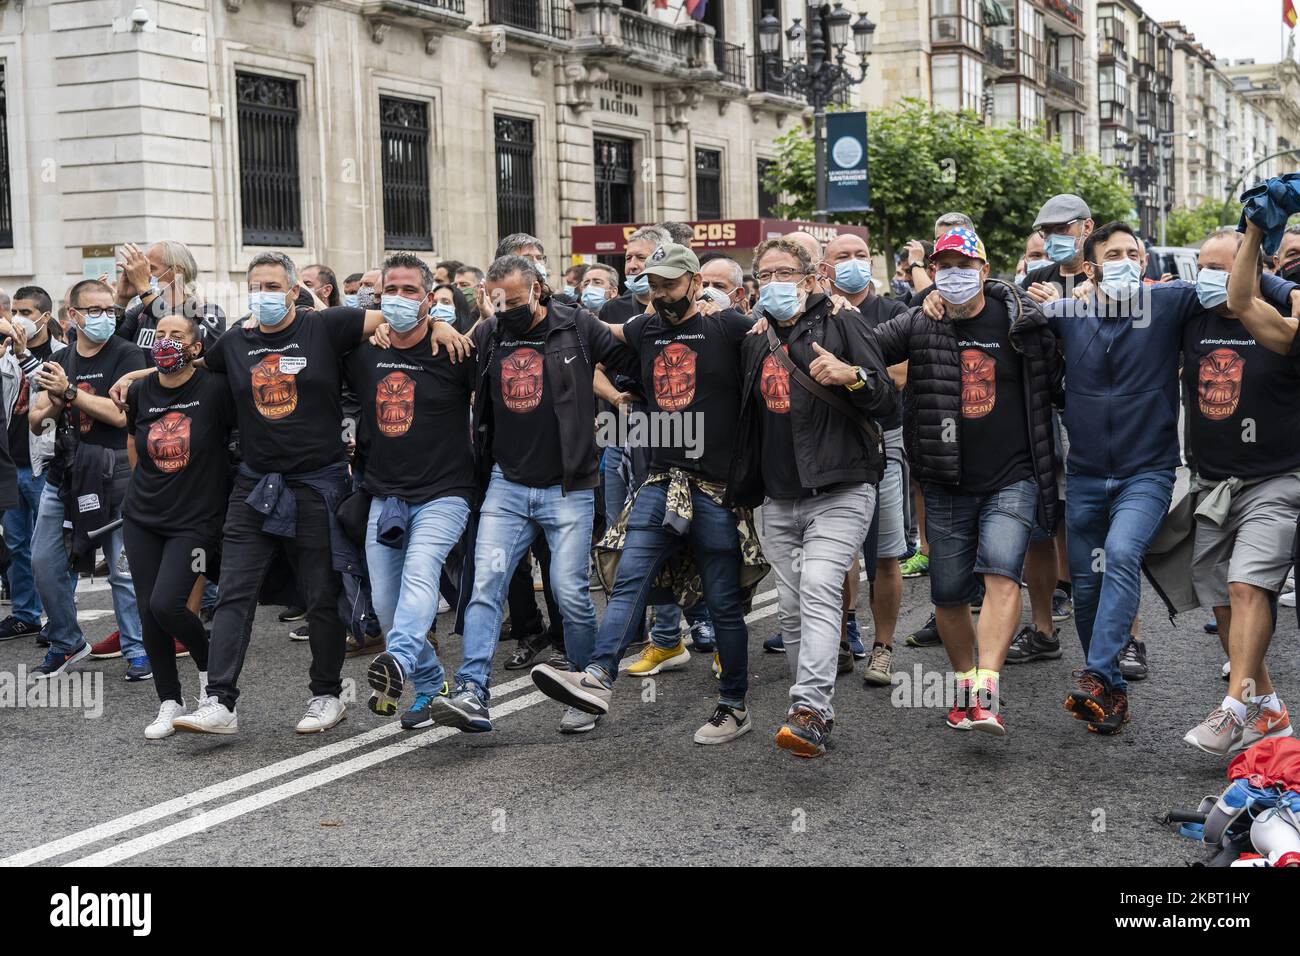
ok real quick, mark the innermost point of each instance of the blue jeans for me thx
(19, 523)
(715, 546)
(404, 583)
(1109, 525)
(976, 534)
(58, 589)
(509, 520)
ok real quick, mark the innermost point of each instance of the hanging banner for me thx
(847, 185)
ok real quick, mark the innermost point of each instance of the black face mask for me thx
(1290, 271)
(516, 321)
(674, 310)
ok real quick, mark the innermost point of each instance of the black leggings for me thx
(162, 569)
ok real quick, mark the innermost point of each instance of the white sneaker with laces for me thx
(162, 725)
(323, 712)
(1287, 599)
(210, 717)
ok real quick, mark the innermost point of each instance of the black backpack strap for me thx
(869, 428)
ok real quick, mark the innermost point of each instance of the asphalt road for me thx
(896, 788)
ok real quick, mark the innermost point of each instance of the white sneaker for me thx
(322, 713)
(1287, 599)
(443, 606)
(210, 717)
(162, 724)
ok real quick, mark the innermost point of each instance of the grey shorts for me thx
(891, 538)
(1254, 545)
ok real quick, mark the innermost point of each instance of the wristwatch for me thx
(862, 379)
(70, 393)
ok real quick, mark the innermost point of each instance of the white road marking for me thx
(130, 821)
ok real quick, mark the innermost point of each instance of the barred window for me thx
(404, 145)
(614, 180)
(269, 190)
(766, 198)
(708, 184)
(516, 197)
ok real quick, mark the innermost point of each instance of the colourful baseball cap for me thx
(962, 240)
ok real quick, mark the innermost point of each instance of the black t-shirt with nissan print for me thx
(526, 435)
(288, 387)
(776, 456)
(96, 375)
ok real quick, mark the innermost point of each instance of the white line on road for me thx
(111, 828)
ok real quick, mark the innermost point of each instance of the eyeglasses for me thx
(95, 311)
(780, 275)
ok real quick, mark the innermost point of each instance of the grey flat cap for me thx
(1063, 208)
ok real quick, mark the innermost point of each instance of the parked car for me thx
(1177, 261)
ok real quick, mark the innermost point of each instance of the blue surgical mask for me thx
(350, 300)
(638, 284)
(100, 327)
(569, 290)
(593, 297)
(267, 307)
(1033, 265)
(1061, 249)
(442, 312)
(1121, 280)
(959, 285)
(1212, 287)
(779, 301)
(852, 275)
(401, 314)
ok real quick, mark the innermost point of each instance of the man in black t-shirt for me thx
(534, 407)
(1065, 223)
(420, 476)
(29, 344)
(74, 386)
(1241, 377)
(690, 366)
(284, 375)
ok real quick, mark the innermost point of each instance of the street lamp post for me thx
(821, 77)
(1161, 140)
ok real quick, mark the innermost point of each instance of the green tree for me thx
(1188, 227)
(925, 162)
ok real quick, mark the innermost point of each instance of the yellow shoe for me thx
(717, 666)
(654, 659)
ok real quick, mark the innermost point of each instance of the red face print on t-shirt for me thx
(979, 383)
(169, 442)
(674, 377)
(85, 423)
(1220, 383)
(521, 380)
(275, 393)
(395, 404)
(775, 384)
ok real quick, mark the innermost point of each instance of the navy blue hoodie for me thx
(1121, 376)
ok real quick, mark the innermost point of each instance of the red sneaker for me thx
(181, 649)
(110, 646)
(985, 711)
(959, 718)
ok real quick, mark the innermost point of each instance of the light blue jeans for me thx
(19, 523)
(509, 520)
(404, 583)
(58, 589)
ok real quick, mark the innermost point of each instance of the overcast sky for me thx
(1229, 29)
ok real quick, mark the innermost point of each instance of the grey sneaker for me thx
(575, 688)
(575, 721)
(465, 710)
(1217, 733)
(1133, 660)
(726, 724)
(879, 672)
(1062, 606)
(1033, 645)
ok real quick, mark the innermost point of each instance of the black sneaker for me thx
(1033, 645)
(291, 614)
(43, 638)
(300, 633)
(465, 710)
(804, 733)
(421, 713)
(1133, 660)
(529, 648)
(387, 680)
(925, 636)
(15, 627)
(1116, 715)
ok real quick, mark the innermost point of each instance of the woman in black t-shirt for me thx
(178, 423)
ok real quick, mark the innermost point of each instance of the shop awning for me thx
(711, 234)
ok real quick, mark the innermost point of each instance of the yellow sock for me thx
(983, 672)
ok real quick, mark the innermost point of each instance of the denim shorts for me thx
(976, 534)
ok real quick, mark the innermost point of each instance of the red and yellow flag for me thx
(1288, 13)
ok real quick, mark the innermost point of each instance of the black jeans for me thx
(525, 618)
(245, 556)
(163, 571)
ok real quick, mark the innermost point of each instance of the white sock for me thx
(1269, 701)
(1237, 707)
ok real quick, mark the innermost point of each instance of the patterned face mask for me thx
(168, 355)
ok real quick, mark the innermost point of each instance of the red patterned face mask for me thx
(168, 355)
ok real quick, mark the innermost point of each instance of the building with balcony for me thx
(1203, 122)
(340, 131)
(1272, 90)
